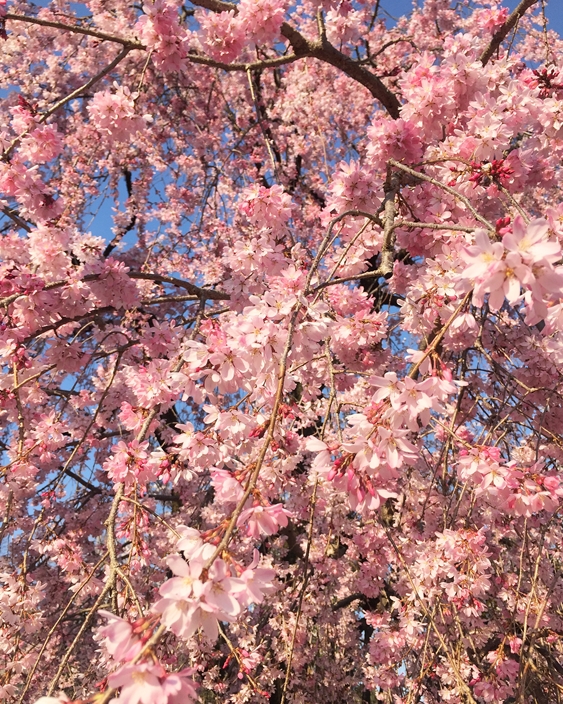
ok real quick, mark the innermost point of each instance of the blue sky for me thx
(553, 10)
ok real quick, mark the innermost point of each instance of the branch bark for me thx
(501, 33)
(323, 50)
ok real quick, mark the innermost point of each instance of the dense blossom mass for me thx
(281, 335)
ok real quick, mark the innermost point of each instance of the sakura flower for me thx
(263, 19)
(140, 684)
(118, 637)
(257, 581)
(532, 241)
(192, 545)
(127, 462)
(229, 363)
(187, 574)
(196, 354)
(263, 520)
(227, 488)
(492, 273)
(223, 35)
(394, 448)
(388, 386)
(220, 587)
(180, 686)
(191, 603)
(114, 113)
(484, 257)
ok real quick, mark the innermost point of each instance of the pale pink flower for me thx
(118, 637)
(127, 462)
(114, 114)
(227, 488)
(223, 35)
(532, 241)
(192, 545)
(140, 684)
(388, 386)
(187, 574)
(257, 581)
(393, 448)
(218, 590)
(180, 686)
(263, 520)
(190, 604)
(484, 257)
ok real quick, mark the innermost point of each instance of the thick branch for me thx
(13, 215)
(347, 600)
(328, 53)
(501, 33)
(324, 51)
(201, 293)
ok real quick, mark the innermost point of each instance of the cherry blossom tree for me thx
(285, 426)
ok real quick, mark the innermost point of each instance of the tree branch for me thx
(324, 51)
(500, 34)
(202, 293)
(129, 43)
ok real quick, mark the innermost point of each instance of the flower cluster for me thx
(198, 598)
(114, 113)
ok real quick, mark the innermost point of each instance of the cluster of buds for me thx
(545, 78)
(502, 226)
(32, 108)
(487, 172)
(20, 359)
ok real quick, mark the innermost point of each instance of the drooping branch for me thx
(120, 234)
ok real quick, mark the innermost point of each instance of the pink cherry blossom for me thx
(281, 332)
(150, 684)
(263, 520)
(118, 637)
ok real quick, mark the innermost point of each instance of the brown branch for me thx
(329, 54)
(306, 575)
(324, 51)
(501, 33)
(31, 673)
(239, 66)
(131, 44)
(201, 293)
(86, 484)
(440, 336)
(13, 215)
(347, 600)
(447, 189)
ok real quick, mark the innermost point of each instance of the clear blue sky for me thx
(553, 11)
